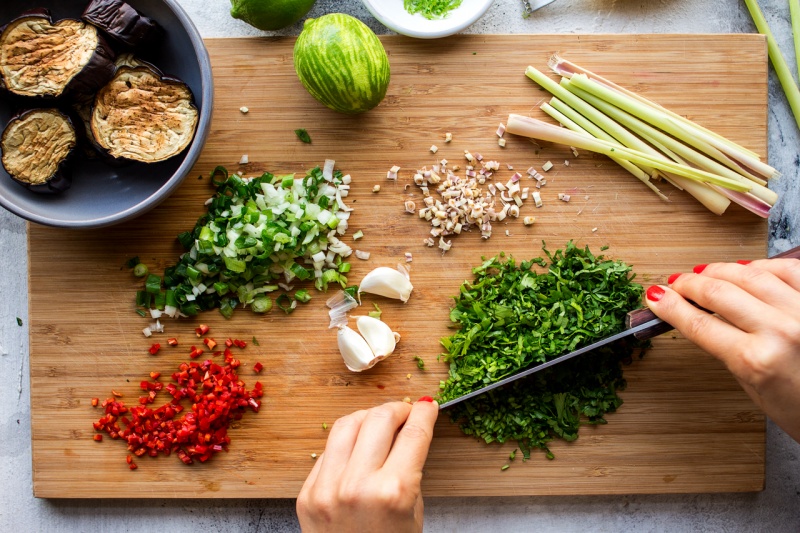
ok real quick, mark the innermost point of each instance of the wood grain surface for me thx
(685, 425)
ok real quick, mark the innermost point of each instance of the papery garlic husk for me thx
(379, 336)
(388, 282)
(355, 350)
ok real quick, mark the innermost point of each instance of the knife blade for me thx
(639, 330)
(641, 323)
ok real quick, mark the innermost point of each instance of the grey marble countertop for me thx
(775, 509)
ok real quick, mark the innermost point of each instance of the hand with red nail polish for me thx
(755, 330)
(369, 477)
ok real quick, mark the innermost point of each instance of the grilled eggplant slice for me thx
(37, 145)
(142, 115)
(120, 21)
(40, 58)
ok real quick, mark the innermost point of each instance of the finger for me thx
(377, 435)
(339, 447)
(312, 478)
(410, 449)
(757, 281)
(787, 270)
(713, 335)
(729, 301)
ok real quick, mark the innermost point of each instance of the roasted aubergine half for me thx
(46, 59)
(142, 115)
(121, 22)
(37, 145)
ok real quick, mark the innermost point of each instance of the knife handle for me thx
(640, 316)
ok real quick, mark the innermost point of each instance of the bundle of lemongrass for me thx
(647, 140)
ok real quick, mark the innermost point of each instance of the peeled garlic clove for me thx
(355, 351)
(385, 281)
(379, 336)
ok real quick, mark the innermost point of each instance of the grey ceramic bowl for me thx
(102, 195)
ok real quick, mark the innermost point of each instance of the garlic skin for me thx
(355, 351)
(388, 282)
(379, 336)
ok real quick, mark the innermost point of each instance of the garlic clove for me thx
(388, 282)
(355, 351)
(380, 337)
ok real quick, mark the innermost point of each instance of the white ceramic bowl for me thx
(393, 15)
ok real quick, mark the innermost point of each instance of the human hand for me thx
(756, 330)
(369, 477)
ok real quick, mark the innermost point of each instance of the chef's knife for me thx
(641, 323)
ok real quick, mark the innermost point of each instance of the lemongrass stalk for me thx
(711, 199)
(627, 165)
(530, 127)
(794, 11)
(653, 136)
(566, 69)
(596, 131)
(746, 200)
(593, 130)
(775, 56)
(661, 120)
(609, 126)
(577, 122)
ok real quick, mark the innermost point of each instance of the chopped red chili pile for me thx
(154, 348)
(172, 341)
(211, 343)
(201, 330)
(217, 397)
(258, 367)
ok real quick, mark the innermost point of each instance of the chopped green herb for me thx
(285, 304)
(324, 425)
(261, 304)
(303, 135)
(511, 317)
(302, 296)
(255, 341)
(431, 9)
(132, 262)
(140, 270)
(376, 313)
(512, 455)
(420, 362)
(141, 313)
(19, 321)
(505, 467)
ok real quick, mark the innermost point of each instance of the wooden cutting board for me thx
(685, 425)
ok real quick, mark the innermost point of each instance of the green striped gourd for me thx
(341, 62)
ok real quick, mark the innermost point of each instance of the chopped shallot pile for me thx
(469, 200)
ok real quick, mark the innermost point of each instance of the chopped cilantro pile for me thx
(511, 317)
(431, 9)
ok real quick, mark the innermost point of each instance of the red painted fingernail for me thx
(655, 293)
(673, 277)
(699, 269)
(425, 399)
(743, 262)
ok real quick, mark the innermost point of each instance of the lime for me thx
(270, 15)
(342, 63)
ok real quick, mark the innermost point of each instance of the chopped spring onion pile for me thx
(647, 140)
(260, 234)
